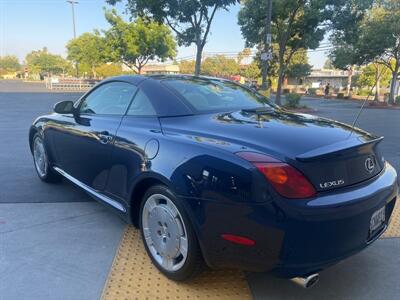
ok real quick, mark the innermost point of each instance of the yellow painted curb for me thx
(133, 276)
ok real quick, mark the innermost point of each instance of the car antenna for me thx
(353, 126)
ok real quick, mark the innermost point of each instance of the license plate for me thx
(377, 219)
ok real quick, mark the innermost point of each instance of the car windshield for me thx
(215, 95)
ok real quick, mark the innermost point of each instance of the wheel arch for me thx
(137, 194)
(138, 191)
(32, 131)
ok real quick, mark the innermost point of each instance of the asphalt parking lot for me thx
(381, 122)
(56, 243)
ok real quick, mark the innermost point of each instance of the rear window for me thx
(213, 95)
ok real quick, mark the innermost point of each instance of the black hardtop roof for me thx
(136, 79)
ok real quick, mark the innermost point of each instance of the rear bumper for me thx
(329, 242)
(294, 237)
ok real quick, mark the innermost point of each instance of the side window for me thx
(109, 99)
(141, 106)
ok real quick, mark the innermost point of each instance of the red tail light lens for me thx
(286, 180)
(237, 239)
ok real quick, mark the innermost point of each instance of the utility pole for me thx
(266, 56)
(73, 2)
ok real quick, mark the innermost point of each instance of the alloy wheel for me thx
(164, 232)
(40, 157)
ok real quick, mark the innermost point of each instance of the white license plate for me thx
(377, 219)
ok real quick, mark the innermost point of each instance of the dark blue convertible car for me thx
(212, 172)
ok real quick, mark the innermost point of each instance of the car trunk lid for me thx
(331, 154)
(342, 164)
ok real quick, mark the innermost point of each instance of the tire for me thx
(41, 161)
(167, 232)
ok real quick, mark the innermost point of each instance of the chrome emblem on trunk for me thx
(330, 184)
(369, 164)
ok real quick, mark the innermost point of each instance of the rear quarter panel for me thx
(200, 170)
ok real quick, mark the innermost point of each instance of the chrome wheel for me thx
(164, 232)
(40, 157)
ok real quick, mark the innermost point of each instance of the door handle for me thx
(104, 137)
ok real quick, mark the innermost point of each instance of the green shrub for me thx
(293, 100)
(340, 95)
(312, 91)
(363, 92)
(397, 100)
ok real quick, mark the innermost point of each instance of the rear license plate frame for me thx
(377, 220)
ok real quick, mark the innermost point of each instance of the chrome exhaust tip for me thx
(306, 282)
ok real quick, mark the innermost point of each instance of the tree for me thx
(299, 71)
(296, 25)
(9, 63)
(88, 49)
(187, 66)
(135, 43)
(190, 20)
(251, 71)
(108, 70)
(379, 39)
(328, 65)
(220, 66)
(375, 74)
(343, 59)
(346, 17)
(41, 61)
(299, 67)
(246, 52)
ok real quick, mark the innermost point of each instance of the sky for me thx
(27, 25)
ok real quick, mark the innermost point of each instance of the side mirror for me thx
(64, 107)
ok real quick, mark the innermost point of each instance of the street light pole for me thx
(266, 56)
(72, 2)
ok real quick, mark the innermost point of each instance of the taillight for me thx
(286, 180)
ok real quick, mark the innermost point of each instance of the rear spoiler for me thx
(333, 149)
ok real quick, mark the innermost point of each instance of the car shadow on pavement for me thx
(372, 274)
(32, 190)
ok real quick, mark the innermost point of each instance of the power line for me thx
(253, 53)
